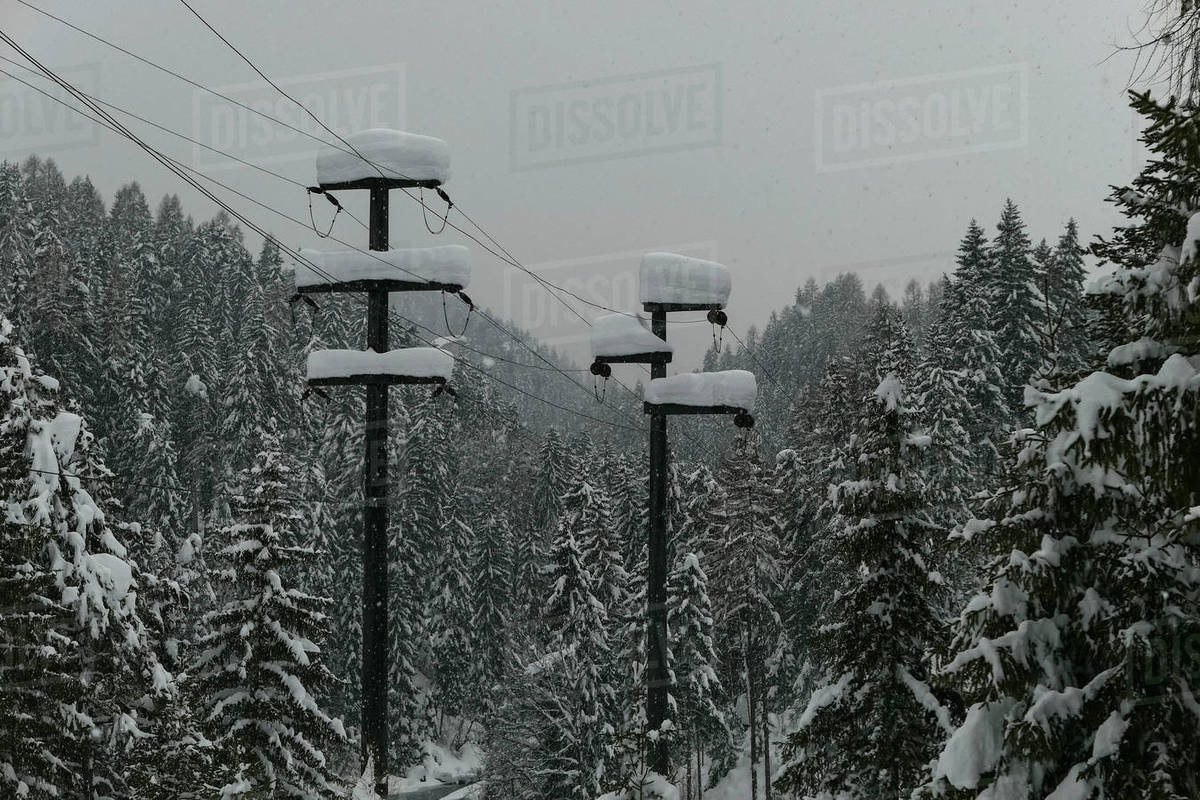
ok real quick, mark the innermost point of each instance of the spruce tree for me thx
(1016, 304)
(870, 724)
(1072, 660)
(262, 656)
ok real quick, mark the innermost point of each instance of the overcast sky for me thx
(784, 139)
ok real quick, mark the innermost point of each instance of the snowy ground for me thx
(445, 774)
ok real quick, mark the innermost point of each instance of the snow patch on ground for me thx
(440, 766)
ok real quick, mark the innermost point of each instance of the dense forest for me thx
(944, 561)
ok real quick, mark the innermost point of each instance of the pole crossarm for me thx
(377, 379)
(671, 308)
(380, 183)
(675, 409)
(380, 286)
(636, 358)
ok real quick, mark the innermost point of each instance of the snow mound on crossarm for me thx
(412, 362)
(671, 278)
(732, 387)
(446, 264)
(395, 154)
(624, 335)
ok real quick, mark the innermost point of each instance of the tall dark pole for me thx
(657, 669)
(375, 524)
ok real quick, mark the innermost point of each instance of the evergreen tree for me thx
(871, 723)
(1065, 326)
(88, 634)
(1066, 659)
(696, 695)
(1016, 305)
(263, 650)
(962, 340)
(578, 639)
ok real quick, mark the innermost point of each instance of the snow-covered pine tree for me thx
(1016, 305)
(963, 340)
(491, 594)
(17, 234)
(262, 655)
(696, 695)
(745, 574)
(1065, 320)
(578, 639)
(451, 612)
(552, 468)
(1077, 658)
(37, 679)
(871, 724)
(101, 666)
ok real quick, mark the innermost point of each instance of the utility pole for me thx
(378, 368)
(658, 676)
(374, 718)
(669, 283)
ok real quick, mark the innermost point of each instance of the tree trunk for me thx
(747, 640)
(766, 748)
(699, 768)
(688, 772)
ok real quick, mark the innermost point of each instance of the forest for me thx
(955, 557)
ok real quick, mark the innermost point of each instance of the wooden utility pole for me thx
(386, 279)
(658, 674)
(375, 524)
(681, 278)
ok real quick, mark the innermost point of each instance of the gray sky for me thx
(727, 130)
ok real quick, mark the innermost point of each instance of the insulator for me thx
(601, 370)
(718, 317)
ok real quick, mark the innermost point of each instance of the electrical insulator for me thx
(601, 370)
(718, 317)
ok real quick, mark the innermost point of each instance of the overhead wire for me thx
(181, 170)
(120, 129)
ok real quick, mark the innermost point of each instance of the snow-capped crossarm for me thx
(729, 389)
(409, 365)
(447, 267)
(381, 155)
(626, 337)
(683, 283)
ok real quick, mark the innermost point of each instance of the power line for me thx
(176, 167)
(514, 337)
(760, 364)
(501, 253)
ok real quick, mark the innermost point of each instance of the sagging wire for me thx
(446, 314)
(333, 200)
(424, 211)
(308, 301)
